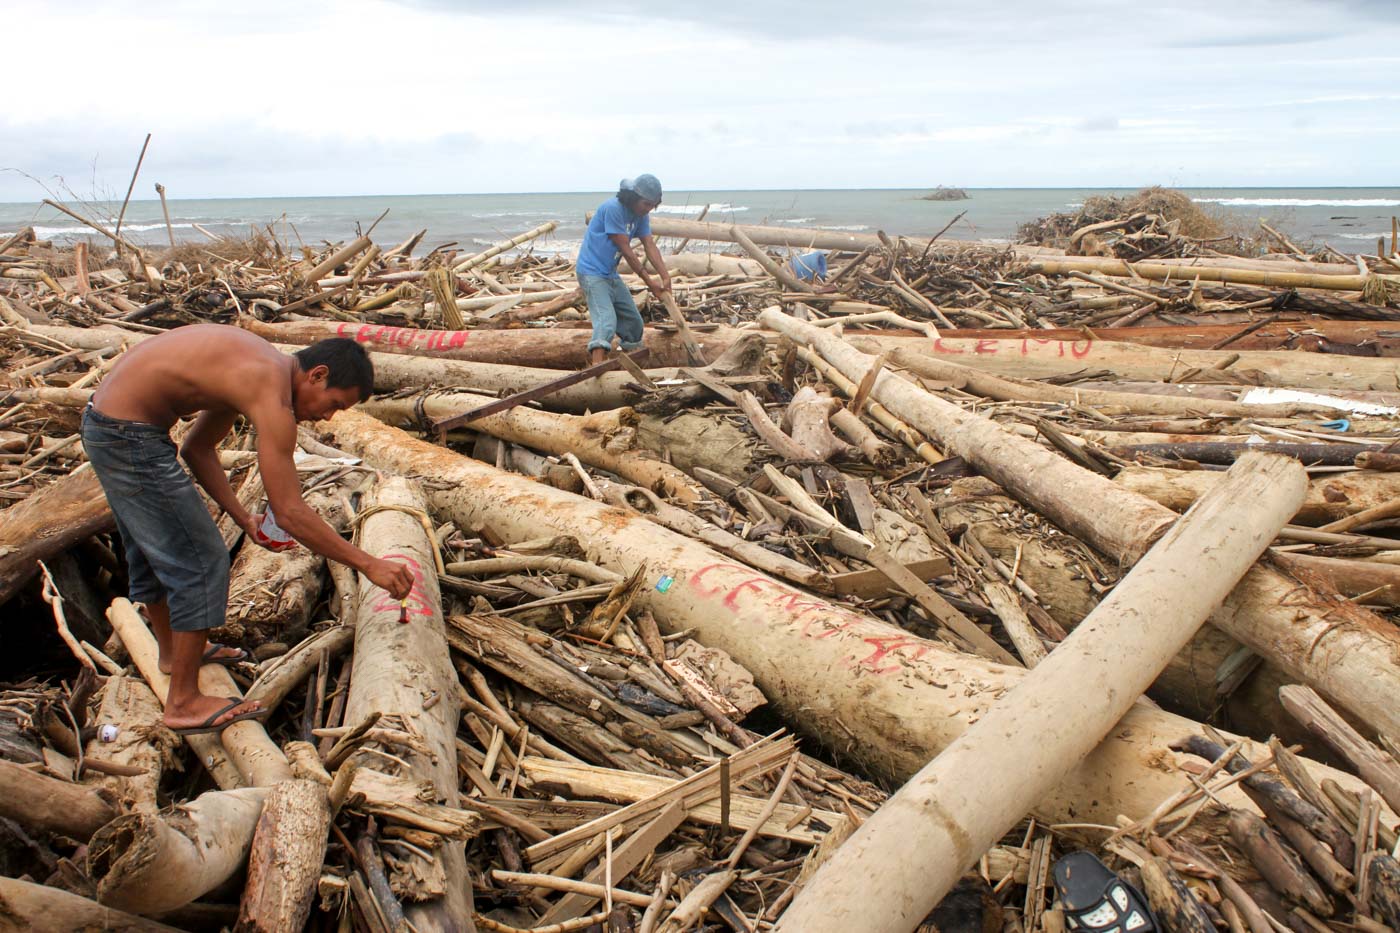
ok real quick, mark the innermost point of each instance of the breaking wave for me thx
(1300, 202)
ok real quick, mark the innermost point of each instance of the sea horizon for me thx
(1348, 218)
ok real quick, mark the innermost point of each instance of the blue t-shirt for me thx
(598, 255)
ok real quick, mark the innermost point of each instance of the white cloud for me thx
(378, 96)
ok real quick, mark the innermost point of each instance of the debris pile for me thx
(681, 627)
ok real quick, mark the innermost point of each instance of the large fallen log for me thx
(901, 863)
(1318, 334)
(404, 674)
(49, 522)
(888, 699)
(546, 348)
(49, 804)
(1342, 650)
(1034, 358)
(1007, 388)
(37, 908)
(150, 863)
(1158, 271)
(1329, 497)
(605, 440)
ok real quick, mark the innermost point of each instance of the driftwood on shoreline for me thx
(614, 577)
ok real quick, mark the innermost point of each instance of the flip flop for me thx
(213, 650)
(1095, 900)
(207, 727)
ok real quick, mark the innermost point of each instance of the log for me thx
(1268, 612)
(45, 524)
(289, 847)
(150, 863)
(37, 908)
(279, 678)
(546, 348)
(1007, 388)
(51, 805)
(142, 741)
(244, 745)
(272, 593)
(1377, 582)
(398, 668)
(1035, 358)
(604, 440)
(1162, 272)
(1329, 497)
(1172, 901)
(1376, 767)
(892, 699)
(901, 863)
(1276, 862)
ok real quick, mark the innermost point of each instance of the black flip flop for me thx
(214, 648)
(1095, 900)
(207, 727)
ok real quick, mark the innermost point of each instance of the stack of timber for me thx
(735, 646)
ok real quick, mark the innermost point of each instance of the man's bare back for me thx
(203, 367)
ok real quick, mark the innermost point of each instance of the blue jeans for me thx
(173, 548)
(612, 311)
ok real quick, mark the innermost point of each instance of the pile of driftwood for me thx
(950, 559)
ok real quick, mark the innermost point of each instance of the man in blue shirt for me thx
(609, 236)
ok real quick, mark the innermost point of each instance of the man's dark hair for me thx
(347, 361)
(629, 199)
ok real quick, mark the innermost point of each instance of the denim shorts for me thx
(613, 312)
(173, 548)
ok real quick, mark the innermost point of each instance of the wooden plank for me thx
(625, 860)
(872, 584)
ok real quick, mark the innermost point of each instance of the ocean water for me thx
(1349, 219)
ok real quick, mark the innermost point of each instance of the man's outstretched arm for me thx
(277, 434)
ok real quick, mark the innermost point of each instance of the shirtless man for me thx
(177, 561)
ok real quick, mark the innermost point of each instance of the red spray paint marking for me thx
(416, 603)
(407, 337)
(1028, 346)
(814, 618)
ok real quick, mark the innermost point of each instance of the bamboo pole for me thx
(344, 254)
(901, 863)
(1344, 651)
(887, 697)
(471, 262)
(165, 209)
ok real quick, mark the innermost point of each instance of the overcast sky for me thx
(310, 97)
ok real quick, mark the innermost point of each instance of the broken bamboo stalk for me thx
(1268, 612)
(901, 863)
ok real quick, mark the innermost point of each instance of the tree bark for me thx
(399, 668)
(1343, 650)
(148, 863)
(49, 522)
(37, 908)
(546, 348)
(949, 814)
(54, 806)
(245, 745)
(606, 440)
(142, 741)
(891, 699)
(288, 849)
(1329, 498)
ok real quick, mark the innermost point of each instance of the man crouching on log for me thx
(177, 562)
